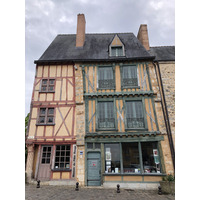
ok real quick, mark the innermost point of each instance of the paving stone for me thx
(46, 192)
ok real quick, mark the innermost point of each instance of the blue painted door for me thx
(94, 169)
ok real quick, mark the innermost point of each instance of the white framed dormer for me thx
(116, 48)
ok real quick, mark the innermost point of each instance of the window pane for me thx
(44, 88)
(44, 82)
(43, 161)
(42, 111)
(50, 120)
(41, 120)
(51, 81)
(112, 158)
(51, 88)
(97, 145)
(131, 161)
(50, 111)
(150, 157)
(48, 160)
(90, 145)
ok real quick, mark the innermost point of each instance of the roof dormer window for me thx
(116, 51)
(116, 48)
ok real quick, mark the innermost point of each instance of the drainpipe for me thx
(165, 112)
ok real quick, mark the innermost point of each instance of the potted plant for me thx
(168, 184)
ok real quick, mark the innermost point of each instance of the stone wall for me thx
(167, 70)
(80, 126)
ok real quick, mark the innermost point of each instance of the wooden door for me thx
(94, 169)
(44, 172)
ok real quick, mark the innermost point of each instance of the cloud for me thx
(44, 19)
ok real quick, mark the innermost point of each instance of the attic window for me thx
(117, 51)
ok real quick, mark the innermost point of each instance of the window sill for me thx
(130, 87)
(61, 170)
(106, 88)
(136, 129)
(46, 91)
(134, 174)
(46, 124)
(106, 129)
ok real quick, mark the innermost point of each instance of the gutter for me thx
(165, 112)
(92, 60)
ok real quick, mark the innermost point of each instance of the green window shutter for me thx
(106, 78)
(106, 115)
(134, 114)
(129, 76)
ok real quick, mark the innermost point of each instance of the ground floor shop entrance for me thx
(94, 169)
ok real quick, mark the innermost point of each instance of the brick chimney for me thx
(80, 33)
(143, 36)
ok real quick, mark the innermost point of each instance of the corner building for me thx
(106, 111)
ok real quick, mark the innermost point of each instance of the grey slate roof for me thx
(63, 48)
(163, 53)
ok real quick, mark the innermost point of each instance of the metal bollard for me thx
(159, 190)
(77, 189)
(38, 184)
(118, 188)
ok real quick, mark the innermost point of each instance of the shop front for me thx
(124, 160)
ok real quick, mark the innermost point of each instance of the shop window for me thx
(46, 116)
(106, 115)
(150, 157)
(112, 158)
(131, 159)
(47, 85)
(134, 115)
(62, 157)
(106, 78)
(129, 76)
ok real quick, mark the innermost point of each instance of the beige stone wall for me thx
(168, 164)
(167, 70)
(80, 165)
(80, 126)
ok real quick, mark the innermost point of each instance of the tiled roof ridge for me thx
(96, 34)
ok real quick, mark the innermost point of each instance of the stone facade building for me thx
(117, 131)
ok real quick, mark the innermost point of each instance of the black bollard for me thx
(77, 189)
(38, 184)
(118, 188)
(159, 190)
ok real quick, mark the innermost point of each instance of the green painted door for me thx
(94, 169)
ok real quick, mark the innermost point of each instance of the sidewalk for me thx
(69, 193)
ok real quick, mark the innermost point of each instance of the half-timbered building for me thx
(96, 112)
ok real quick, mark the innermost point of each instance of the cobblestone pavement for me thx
(69, 193)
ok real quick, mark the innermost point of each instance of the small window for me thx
(62, 157)
(134, 115)
(46, 116)
(106, 115)
(116, 51)
(47, 85)
(129, 76)
(106, 78)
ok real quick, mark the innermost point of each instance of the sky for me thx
(45, 19)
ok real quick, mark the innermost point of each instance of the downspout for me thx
(165, 112)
